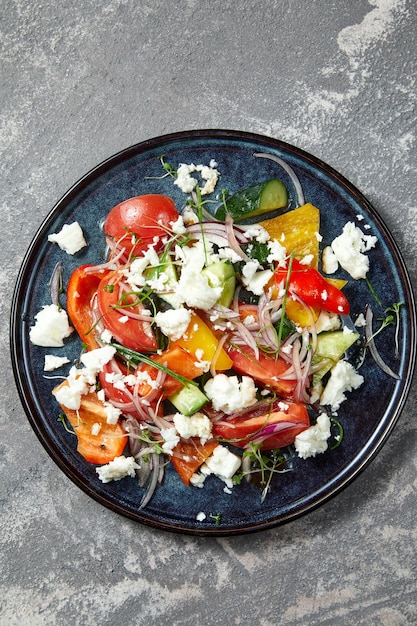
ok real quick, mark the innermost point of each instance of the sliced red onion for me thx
(372, 347)
(55, 283)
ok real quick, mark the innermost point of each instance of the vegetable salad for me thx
(212, 343)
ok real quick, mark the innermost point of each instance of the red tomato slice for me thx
(134, 333)
(265, 370)
(139, 220)
(272, 426)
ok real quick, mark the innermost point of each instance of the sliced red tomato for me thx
(81, 289)
(265, 370)
(189, 455)
(273, 425)
(120, 314)
(138, 221)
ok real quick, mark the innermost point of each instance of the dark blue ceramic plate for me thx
(368, 415)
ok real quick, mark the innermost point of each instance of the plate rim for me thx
(372, 448)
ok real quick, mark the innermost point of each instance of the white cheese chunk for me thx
(117, 469)
(349, 249)
(343, 377)
(51, 327)
(171, 439)
(173, 322)
(70, 238)
(228, 394)
(223, 463)
(313, 440)
(53, 362)
(197, 425)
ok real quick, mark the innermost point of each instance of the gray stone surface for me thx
(81, 80)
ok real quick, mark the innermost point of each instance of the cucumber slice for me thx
(188, 400)
(168, 268)
(331, 346)
(255, 200)
(221, 274)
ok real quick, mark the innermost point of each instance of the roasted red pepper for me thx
(82, 287)
(307, 283)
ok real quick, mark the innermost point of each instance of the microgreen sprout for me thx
(392, 317)
(61, 418)
(395, 311)
(217, 518)
(372, 290)
(146, 437)
(264, 464)
(339, 436)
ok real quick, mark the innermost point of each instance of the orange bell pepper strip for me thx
(82, 286)
(108, 443)
(178, 361)
(189, 455)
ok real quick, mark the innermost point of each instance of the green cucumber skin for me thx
(188, 400)
(331, 345)
(255, 200)
(225, 274)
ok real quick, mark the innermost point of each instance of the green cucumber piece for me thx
(188, 400)
(331, 346)
(221, 274)
(167, 267)
(255, 200)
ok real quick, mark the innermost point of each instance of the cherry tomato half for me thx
(139, 220)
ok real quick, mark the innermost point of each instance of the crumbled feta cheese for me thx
(343, 377)
(188, 183)
(171, 439)
(253, 280)
(223, 464)
(117, 469)
(228, 394)
(201, 516)
(197, 480)
(70, 238)
(349, 248)
(360, 321)
(307, 259)
(194, 290)
(327, 321)
(277, 253)
(197, 425)
(51, 327)
(313, 440)
(53, 362)
(95, 429)
(173, 322)
(329, 261)
(178, 227)
(94, 360)
(112, 413)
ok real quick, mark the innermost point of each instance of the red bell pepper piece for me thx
(82, 287)
(307, 283)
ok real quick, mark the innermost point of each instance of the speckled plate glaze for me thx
(368, 415)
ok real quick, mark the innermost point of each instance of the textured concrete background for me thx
(83, 79)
